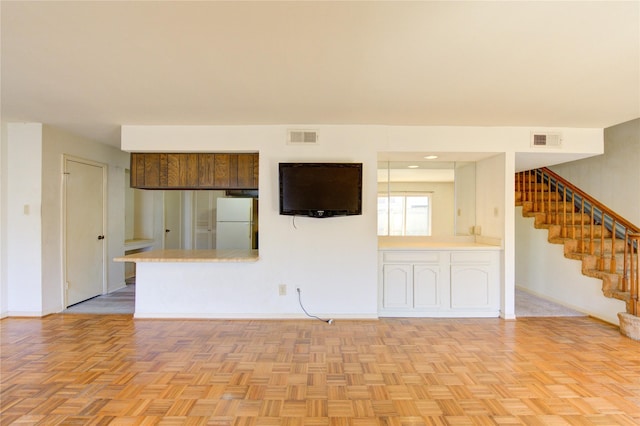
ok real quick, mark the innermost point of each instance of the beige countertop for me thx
(433, 244)
(191, 256)
(438, 246)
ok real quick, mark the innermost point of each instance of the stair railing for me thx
(549, 192)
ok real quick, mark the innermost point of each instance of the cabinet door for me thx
(182, 171)
(145, 170)
(426, 283)
(247, 171)
(397, 286)
(471, 286)
(194, 170)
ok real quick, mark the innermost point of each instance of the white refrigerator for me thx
(235, 223)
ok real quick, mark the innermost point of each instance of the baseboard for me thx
(256, 316)
(443, 314)
(120, 287)
(25, 314)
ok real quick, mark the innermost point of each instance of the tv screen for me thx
(321, 189)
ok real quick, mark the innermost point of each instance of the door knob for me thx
(101, 237)
(167, 230)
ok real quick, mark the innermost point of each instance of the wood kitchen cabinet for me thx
(194, 170)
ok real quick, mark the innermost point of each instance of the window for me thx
(404, 214)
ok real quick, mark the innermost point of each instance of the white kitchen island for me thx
(169, 283)
(429, 278)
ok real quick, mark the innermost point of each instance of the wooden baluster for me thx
(635, 274)
(601, 261)
(625, 263)
(549, 217)
(557, 204)
(521, 186)
(529, 192)
(542, 206)
(535, 191)
(592, 241)
(582, 214)
(573, 216)
(564, 213)
(613, 265)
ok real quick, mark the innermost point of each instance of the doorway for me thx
(84, 220)
(173, 220)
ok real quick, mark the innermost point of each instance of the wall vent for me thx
(302, 137)
(546, 139)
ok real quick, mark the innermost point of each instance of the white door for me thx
(204, 219)
(172, 220)
(84, 230)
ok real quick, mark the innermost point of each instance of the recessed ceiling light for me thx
(413, 166)
(430, 157)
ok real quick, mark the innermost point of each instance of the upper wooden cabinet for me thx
(194, 171)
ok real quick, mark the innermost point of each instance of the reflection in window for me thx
(404, 215)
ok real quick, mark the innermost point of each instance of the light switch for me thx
(26, 209)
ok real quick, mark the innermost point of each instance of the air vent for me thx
(539, 139)
(302, 137)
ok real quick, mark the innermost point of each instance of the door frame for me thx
(63, 225)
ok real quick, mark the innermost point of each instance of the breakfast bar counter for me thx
(231, 255)
(195, 283)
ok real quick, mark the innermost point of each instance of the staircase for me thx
(605, 243)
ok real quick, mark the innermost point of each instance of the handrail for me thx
(549, 194)
(594, 201)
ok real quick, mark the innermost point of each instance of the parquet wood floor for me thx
(111, 369)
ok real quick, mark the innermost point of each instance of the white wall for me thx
(3, 219)
(24, 219)
(542, 269)
(465, 196)
(613, 177)
(490, 202)
(334, 260)
(57, 142)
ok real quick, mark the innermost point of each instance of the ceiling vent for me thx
(546, 139)
(302, 137)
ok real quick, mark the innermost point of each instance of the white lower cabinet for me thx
(426, 282)
(439, 283)
(408, 286)
(398, 286)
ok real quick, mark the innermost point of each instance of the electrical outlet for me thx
(282, 289)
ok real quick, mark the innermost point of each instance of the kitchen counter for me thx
(410, 243)
(439, 277)
(211, 256)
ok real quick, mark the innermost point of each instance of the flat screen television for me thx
(320, 189)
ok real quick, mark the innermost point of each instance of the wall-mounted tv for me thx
(320, 189)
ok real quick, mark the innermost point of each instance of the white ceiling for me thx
(90, 67)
